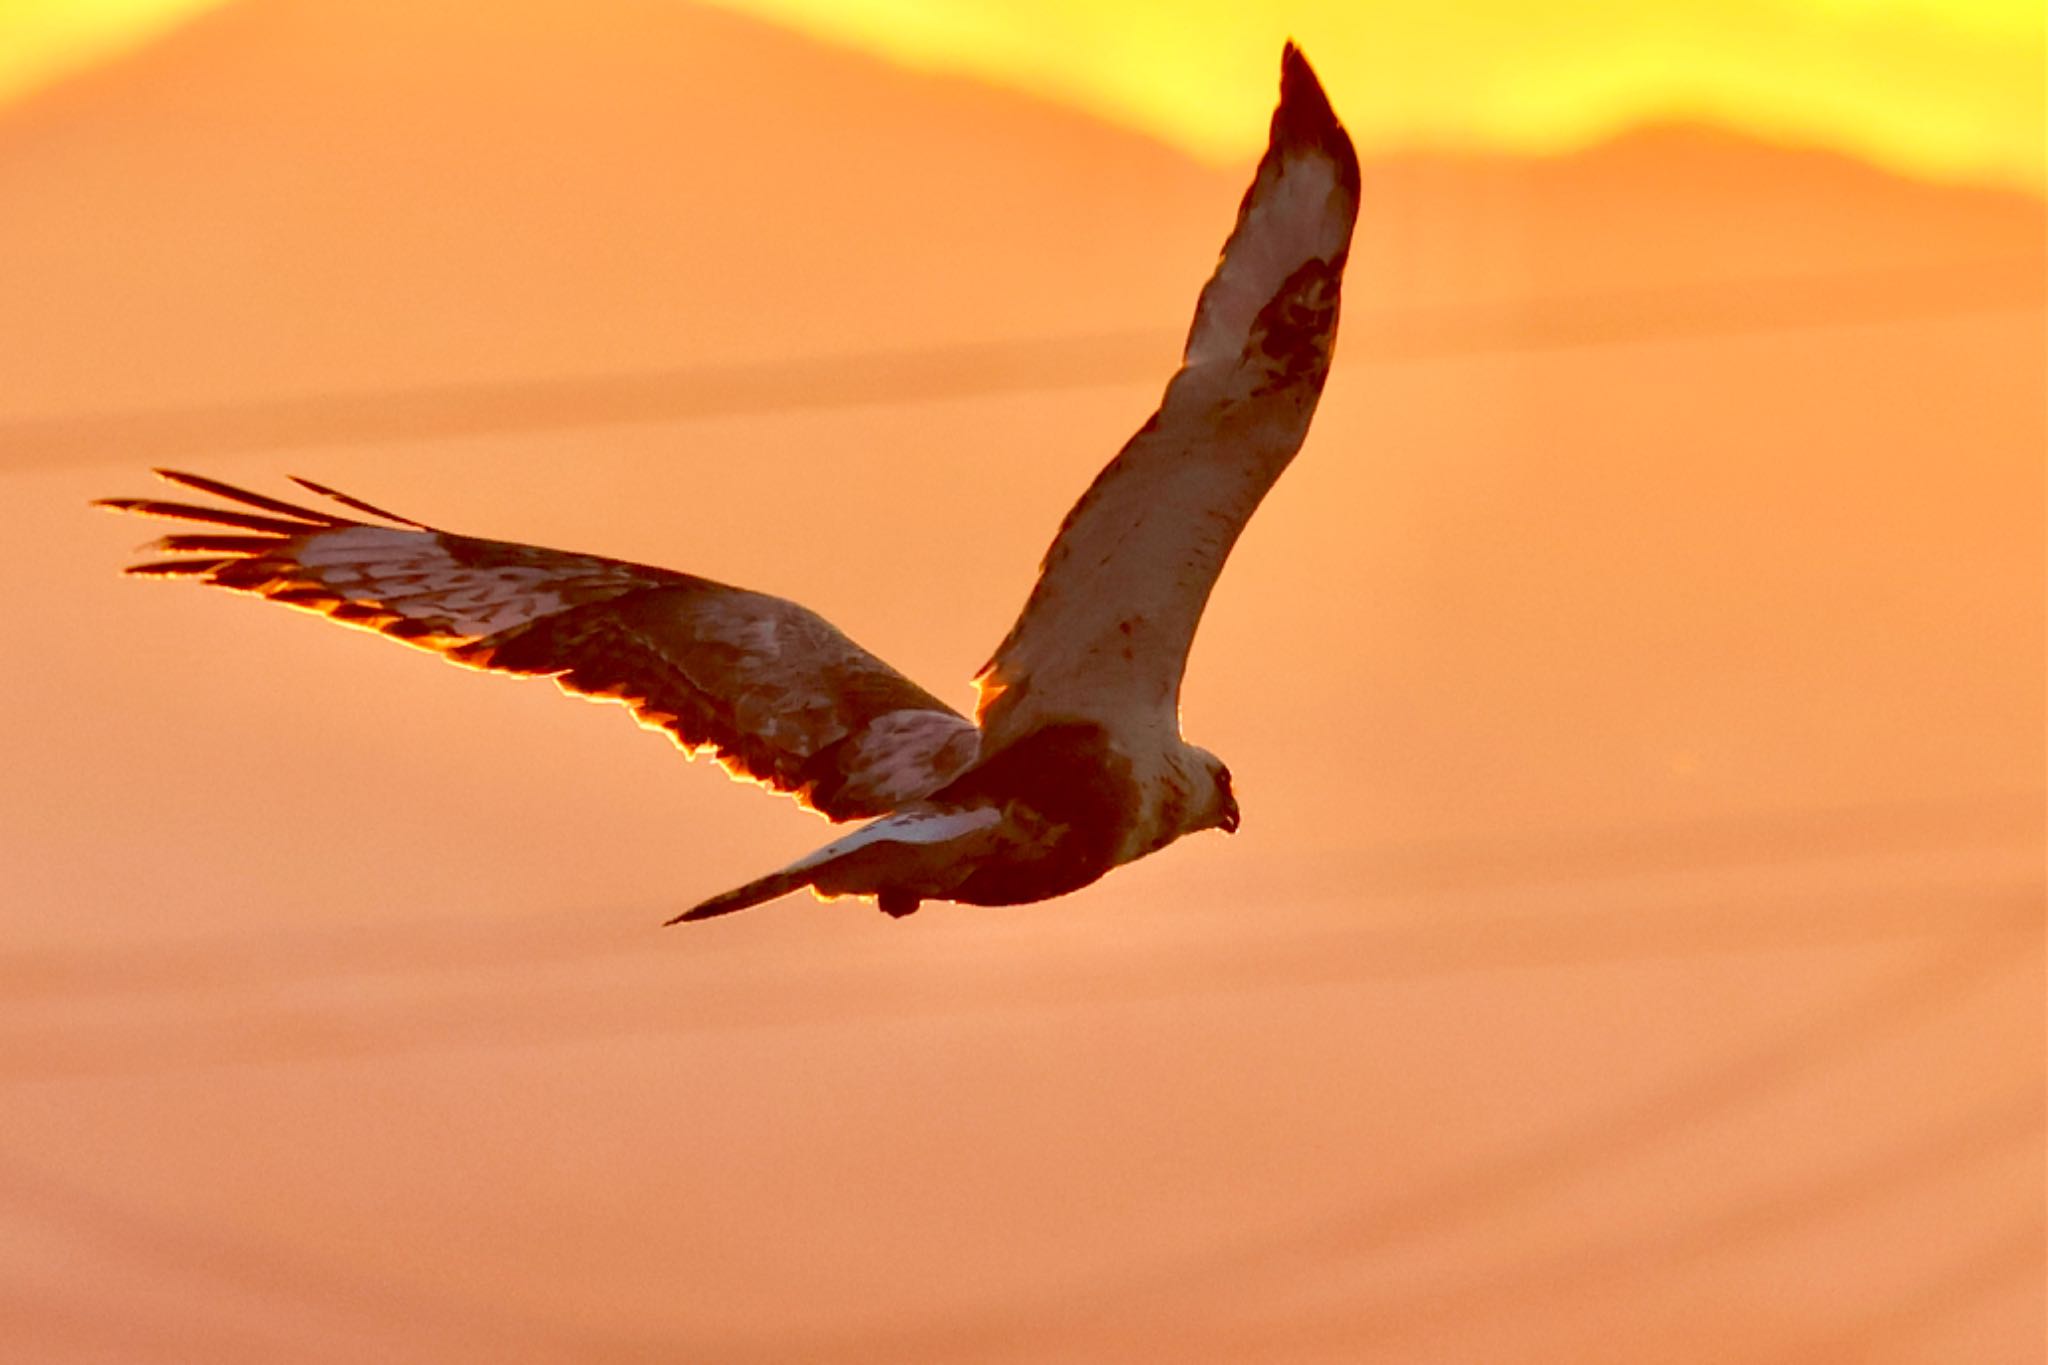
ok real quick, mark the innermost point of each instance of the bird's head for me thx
(1214, 805)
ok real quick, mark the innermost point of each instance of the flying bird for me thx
(1074, 762)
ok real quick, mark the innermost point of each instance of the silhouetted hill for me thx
(290, 196)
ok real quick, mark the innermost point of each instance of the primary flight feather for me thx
(1074, 763)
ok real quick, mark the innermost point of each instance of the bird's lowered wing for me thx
(773, 689)
(1106, 631)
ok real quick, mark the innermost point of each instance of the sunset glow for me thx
(1947, 91)
(1952, 91)
(1633, 947)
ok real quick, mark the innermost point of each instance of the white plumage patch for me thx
(1299, 216)
(412, 574)
(897, 753)
(917, 828)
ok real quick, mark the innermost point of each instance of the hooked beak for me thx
(1227, 822)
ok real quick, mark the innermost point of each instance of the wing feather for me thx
(777, 693)
(1106, 631)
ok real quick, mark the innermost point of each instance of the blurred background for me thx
(1633, 951)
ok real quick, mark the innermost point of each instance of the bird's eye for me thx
(1223, 780)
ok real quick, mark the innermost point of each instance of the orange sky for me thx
(1633, 950)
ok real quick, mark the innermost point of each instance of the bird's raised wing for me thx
(773, 689)
(1106, 631)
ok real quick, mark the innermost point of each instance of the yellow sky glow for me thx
(1949, 89)
(45, 40)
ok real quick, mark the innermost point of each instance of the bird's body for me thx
(1041, 817)
(1074, 763)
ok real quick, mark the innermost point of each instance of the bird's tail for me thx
(768, 888)
(917, 853)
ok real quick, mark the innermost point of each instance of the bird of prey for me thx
(1074, 762)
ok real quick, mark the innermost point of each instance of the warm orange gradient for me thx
(42, 42)
(1946, 88)
(1633, 950)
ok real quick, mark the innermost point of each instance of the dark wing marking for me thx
(770, 687)
(1106, 631)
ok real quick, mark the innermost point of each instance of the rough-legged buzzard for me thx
(1074, 762)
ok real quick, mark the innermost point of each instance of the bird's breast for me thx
(1075, 791)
